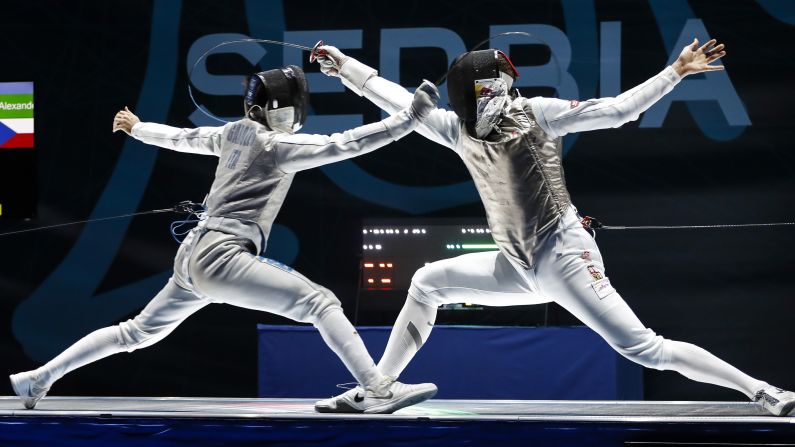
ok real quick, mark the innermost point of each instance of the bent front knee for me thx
(314, 305)
(423, 286)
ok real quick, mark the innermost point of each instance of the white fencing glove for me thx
(330, 59)
(425, 99)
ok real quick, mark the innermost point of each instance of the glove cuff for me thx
(355, 74)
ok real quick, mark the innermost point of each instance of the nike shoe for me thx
(389, 397)
(24, 385)
(776, 400)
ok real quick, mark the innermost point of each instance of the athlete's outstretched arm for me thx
(298, 152)
(201, 140)
(559, 117)
(442, 126)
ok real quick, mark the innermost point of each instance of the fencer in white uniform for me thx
(220, 262)
(512, 148)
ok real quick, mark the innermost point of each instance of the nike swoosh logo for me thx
(358, 398)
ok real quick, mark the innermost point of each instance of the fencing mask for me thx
(478, 86)
(278, 98)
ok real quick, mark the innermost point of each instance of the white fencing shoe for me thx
(775, 400)
(389, 397)
(24, 385)
(346, 402)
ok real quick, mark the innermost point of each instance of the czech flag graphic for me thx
(16, 114)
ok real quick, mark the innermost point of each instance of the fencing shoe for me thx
(776, 400)
(24, 385)
(388, 397)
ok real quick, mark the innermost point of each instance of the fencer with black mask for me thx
(512, 147)
(220, 260)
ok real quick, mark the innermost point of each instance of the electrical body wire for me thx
(184, 207)
(694, 227)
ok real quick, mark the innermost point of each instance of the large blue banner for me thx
(465, 362)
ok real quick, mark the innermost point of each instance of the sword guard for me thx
(590, 223)
(313, 55)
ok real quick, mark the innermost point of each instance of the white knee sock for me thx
(340, 335)
(698, 364)
(94, 346)
(411, 330)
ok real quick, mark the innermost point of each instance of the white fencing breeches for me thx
(570, 271)
(217, 268)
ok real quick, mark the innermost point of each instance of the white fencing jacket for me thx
(518, 169)
(257, 165)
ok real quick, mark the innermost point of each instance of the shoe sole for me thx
(29, 402)
(408, 400)
(787, 409)
(342, 407)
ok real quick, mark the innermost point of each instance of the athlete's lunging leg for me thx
(574, 274)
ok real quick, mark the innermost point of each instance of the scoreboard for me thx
(393, 249)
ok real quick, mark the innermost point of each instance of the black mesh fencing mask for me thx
(462, 80)
(278, 98)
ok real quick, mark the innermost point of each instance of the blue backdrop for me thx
(465, 362)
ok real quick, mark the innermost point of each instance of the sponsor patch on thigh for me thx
(603, 288)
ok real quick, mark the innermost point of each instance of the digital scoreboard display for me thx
(393, 249)
(17, 158)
